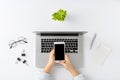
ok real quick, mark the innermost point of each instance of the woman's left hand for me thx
(51, 62)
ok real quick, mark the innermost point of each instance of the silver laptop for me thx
(73, 46)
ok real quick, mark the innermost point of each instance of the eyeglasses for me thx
(21, 40)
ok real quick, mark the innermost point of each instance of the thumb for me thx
(62, 63)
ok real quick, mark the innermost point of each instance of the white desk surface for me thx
(101, 17)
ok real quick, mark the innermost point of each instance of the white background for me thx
(21, 17)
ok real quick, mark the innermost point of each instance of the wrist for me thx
(48, 68)
(70, 68)
(73, 71)
(50, 64)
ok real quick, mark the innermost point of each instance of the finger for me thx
(52, 51)
(62, 63)
(66, 57)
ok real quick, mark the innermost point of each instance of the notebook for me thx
(101, 53)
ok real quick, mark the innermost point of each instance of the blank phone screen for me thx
(59, 51)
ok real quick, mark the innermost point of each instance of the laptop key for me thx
(70, 44)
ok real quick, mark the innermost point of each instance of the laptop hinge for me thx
(59, 34)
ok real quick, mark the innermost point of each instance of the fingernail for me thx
(52, 48)
(59, 62)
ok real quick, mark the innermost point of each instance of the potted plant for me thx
(60, 15)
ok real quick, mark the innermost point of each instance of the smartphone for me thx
(59, 51)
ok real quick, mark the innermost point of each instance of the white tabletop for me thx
(22, 17)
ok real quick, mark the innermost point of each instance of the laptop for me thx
(73, 46)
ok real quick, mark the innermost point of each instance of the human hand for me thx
(51, 58)
(51, 62)
(67, 64)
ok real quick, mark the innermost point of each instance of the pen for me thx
(93, 39)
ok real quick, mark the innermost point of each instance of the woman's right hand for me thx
(67, 64)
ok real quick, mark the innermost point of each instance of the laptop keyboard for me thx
(71, 45)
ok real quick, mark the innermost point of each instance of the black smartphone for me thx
(59, 51)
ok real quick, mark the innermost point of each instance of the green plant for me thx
(59, 15)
